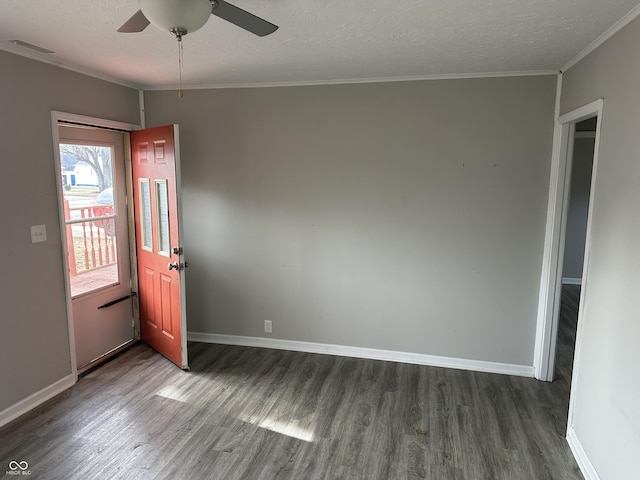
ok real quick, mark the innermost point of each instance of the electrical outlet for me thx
(268, 324)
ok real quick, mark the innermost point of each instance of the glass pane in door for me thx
(145, 213)
(89, 214)
(163, 217)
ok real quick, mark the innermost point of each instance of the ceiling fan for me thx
(185, 16)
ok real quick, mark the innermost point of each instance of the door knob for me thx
(173, 266)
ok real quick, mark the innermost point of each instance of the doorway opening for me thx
(99, 165)
(90, 161)
(589, 119)
(580, 172)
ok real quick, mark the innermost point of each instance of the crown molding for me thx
(610, 32)
(350, 81)
(44, 58)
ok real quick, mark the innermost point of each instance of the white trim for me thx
(38, 398)
(599, 105)
(549, 261)
(551, 276)
(584, 112)
(55, 117)
(359, 352)
(610, 32)
(349, 81)
(571, 281)
(143, 118)
(586, 467)
(93, 121)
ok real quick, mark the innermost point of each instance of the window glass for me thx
(145, 209)
(90, 216)
(163, 217)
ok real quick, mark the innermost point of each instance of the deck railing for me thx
(90, 238)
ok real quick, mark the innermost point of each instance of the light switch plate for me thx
(38, 233)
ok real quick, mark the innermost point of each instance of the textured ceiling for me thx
(318, 41)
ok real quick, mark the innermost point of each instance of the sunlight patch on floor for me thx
(286, 429)
(173, 393)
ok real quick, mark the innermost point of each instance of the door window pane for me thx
(89, 214)
(163, 217)
(145, 209)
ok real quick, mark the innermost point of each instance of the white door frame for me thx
(551, 278)
(56, 117)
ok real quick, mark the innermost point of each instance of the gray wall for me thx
(607, 389)
(578, 208)
(402, 216)
(34, 346)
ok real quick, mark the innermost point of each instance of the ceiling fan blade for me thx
(242, 18)
(137, 23)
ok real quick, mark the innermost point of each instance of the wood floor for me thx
(249, 413)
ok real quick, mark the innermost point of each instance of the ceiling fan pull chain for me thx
(179, 33)
(180, 62)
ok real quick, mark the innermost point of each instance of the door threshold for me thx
(93, 364)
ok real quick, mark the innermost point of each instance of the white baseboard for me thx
(571, 281)
(586, 467)
(32, 401)
(359, 352)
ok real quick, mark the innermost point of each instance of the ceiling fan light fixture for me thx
(188, 15)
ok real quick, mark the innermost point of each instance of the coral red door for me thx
(155, 165)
